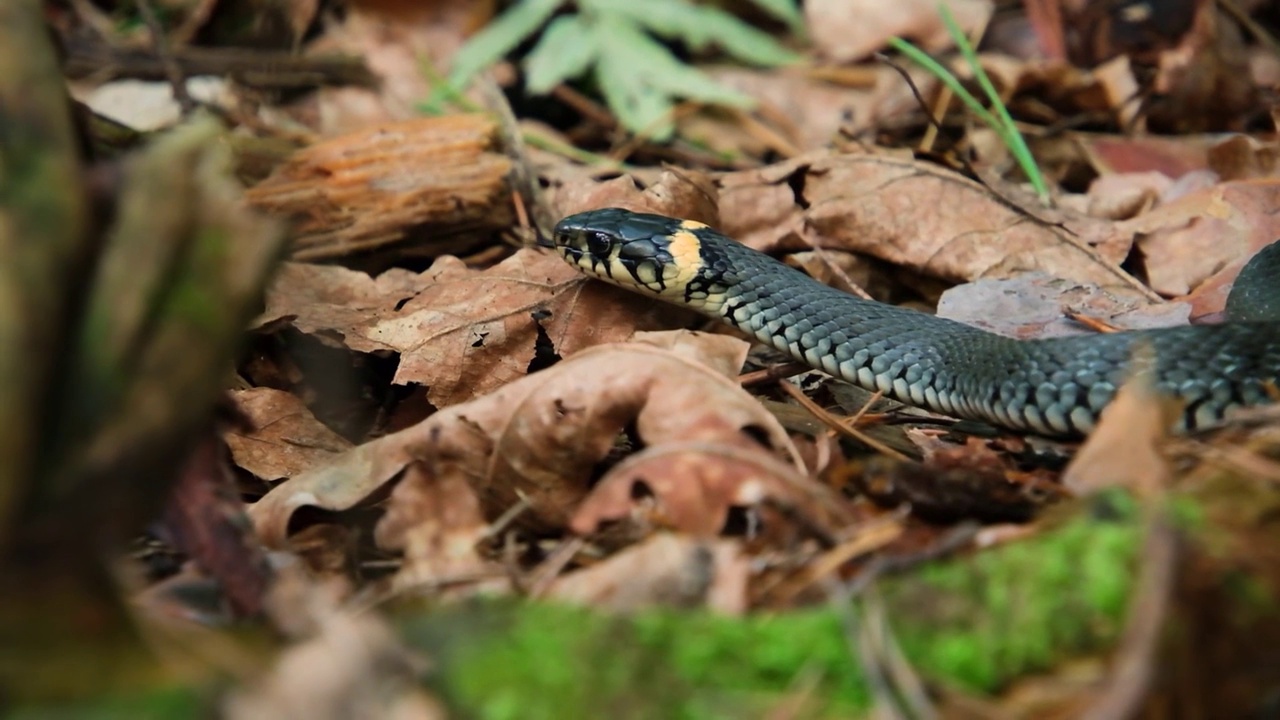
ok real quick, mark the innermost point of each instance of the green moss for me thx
(157, 704)
(551, 661)
(1187, 514)
(1021, 608)
(977, 621)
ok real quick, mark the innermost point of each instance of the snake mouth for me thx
(569, 244)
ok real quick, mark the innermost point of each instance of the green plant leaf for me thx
(744, 42)
(639, 77)
(699, 27)
(500, 37)
(669, 18)
(567, 49)
(661, 68)
(785, 10)
(638, 106)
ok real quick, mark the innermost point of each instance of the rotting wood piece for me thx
(383, 185)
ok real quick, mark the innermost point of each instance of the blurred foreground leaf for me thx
(118, 330)
(42, 241)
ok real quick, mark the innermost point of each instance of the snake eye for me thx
(599, 244)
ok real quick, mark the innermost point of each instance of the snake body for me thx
(1055, 386)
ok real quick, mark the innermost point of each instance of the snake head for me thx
(642, 251)
(633, 250)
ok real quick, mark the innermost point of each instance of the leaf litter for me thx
(456, 347)
(557, 450)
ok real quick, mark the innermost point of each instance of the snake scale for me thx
(1055, 387)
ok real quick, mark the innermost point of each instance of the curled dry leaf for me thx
(1242, 157)
(458, 331)
(1120, 196)
(691, 486)
(354, 666)
(438, 524)
(846, 30)
(350, 479)
(914, 214)
(1170, 157)
(1205, 237)
(286, 440)
(684, 194)
(538, 440)
(666, 569)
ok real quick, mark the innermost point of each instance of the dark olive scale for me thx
(1055, 386)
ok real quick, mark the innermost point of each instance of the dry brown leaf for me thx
(846, 30)
(327, 550)
(1241, 157)
(438, 524)
(760, 207)
(352, 478)
(396, 39)
(1035, 306)
(286, 440)
(850, 272)
(1213, 231)
(538, 439)
(1171, 157)
(723, 354)
(666, 569)
(1121, 196)
(1204, 84)
(973, 481)
(684, 194)
(353, 667)
(691, 486)
(914, 214)
(458, 331)
(329, 300)
(1124, 450)
(1118, 86)
(807, 111)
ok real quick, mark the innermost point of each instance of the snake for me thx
(1052, 387)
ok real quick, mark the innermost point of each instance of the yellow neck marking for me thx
(686, 252)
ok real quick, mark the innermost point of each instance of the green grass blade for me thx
(1006, 128)
(944, 76)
